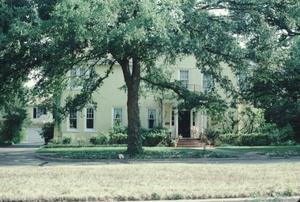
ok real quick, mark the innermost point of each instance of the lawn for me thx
(149, 153)
(272, 151)
(149, 181)
(168, 152)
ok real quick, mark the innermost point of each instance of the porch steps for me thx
(189, 142)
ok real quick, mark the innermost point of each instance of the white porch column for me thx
(176, 122)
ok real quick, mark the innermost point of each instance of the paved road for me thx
(19, 155)
(24, 155)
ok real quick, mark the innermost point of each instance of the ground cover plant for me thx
(149, 181)
(113, 153)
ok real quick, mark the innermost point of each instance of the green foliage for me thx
(47, 132)
(211, 135)
(117, 138)
(268, 134)
(13, 124)
(101, 139)
(255, 139)
(155, 137)
(150, 137)
(67, 140)
(229, 138)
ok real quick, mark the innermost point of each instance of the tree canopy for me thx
(53, 37)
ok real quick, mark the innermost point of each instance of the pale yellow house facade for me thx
(155, 111)
(111, 107)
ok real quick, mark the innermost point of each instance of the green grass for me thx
(149, 153)
(148, 181)
(273, 151)
(108, 152)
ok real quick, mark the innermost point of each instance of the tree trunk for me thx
(133, 113)
(132, 79)
(57, 136)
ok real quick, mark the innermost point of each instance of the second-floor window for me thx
(117, 117)
(73, 119)
(151, 118)
(207, 82)
(90, 113)
(184, 78)
(77, 77)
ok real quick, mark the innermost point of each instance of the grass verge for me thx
(272, 151)
(113, 152)
(149, 182)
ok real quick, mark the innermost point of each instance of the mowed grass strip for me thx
(273, 151)
(149, 181)
(149, 153)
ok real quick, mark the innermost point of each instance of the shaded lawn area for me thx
(113, 152)
(149, 181)
(108, 152)
(272, 151)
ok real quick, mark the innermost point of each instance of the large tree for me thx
(135, 34)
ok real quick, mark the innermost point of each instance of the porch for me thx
(184, 124)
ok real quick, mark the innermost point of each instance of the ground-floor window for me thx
(173, 117)
(117, 117)
(73, 119)
(38, 112)
(90, 117)
(151, 118)
(194, 118)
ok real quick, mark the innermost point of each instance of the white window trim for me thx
(113, 117)
(73, 129)
(85, 119)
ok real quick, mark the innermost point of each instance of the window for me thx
(173, 117)
(194, 118)
(184, 78)
(117, 117)
(38, 112)
(207, 82)
(76, 77)
(151, 118)
(73, 119)
(90, 118)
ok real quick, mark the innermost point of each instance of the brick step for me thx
(189, 142)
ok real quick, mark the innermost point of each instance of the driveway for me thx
(23, 154)
(19, 155)
(33, 137)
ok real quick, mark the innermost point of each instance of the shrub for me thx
(117, 138)
(285, 136)
(255, 139)
(230, 138)
(47, 132)
(118, 129)
(282, 136)
(12, 130)
(66, 140)
(101, 139)
(156, 136)
(212, 135)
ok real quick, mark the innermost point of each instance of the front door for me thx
(184, 124)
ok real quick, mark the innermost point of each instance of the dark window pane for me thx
(90, 123)
(34, 113)
(151, 123)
